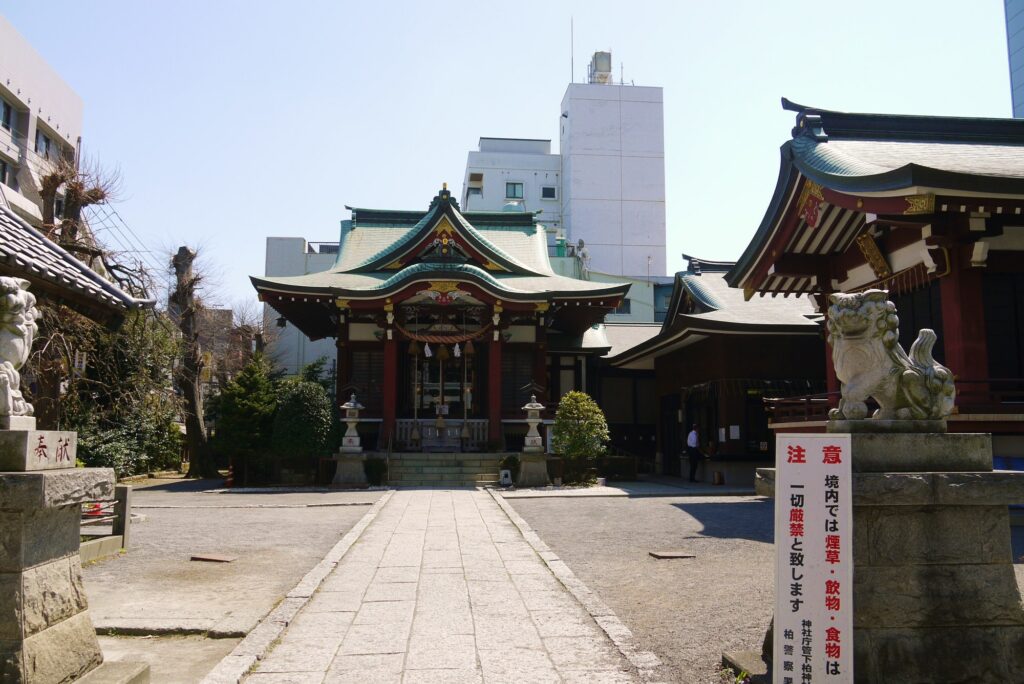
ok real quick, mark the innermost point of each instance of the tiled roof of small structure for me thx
(853, 152)
(374, 239)
(26, 253)
(722, 309)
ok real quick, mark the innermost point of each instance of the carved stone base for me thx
(24, 450)
(350, 472)
(46, 634)
(17, 423)
(886, 426)
(533, 470)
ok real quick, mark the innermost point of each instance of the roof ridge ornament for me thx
(810, 126)
(444, 195)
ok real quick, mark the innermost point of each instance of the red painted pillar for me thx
(343, 372)
(494, 432)
(390, 389)
(540, 362)
(963, 323)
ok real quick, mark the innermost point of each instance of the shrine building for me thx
(446, 323)
(932, 210)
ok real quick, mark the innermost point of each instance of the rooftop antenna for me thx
(572, 48)
(622, 74)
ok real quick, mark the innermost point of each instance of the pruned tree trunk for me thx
(190, 370)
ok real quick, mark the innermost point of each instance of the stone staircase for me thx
(443, 469)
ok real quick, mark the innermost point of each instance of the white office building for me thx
(608, 178)
(40, 122)
(288, 348)
(515, 170)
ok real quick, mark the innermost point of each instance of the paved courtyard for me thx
(442, 587)
(155, 593)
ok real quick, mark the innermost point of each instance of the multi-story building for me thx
(40, 123)
(288, 347)
(612, 145)
(515, 170)
(606, 186)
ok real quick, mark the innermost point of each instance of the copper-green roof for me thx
(374, 241)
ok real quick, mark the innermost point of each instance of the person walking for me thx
(693, 452)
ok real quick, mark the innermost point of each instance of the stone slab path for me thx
(442, 587)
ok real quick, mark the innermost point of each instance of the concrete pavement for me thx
(442, 587)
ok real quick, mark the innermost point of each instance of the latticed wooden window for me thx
(516, 373)
(368, 377)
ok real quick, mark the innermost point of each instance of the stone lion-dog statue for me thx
(863, 330)
(18, 329)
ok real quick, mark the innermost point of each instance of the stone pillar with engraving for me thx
(350, 471)
(935, 596)
(533, 462)
(46, 634)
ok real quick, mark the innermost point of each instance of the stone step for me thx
(438, 477)
(444, 464)
(434, 483)
(441, 469)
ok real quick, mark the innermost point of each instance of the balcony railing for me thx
(991, 395)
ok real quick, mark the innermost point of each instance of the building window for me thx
(475, 191)
(623, 307)
(513, 191)
(6, 114)
(42, 145)
(6, 173)
(548, 192)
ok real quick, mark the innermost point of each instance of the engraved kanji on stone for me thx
(41, 451)
(63, 450)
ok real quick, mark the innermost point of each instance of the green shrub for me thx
(375, 469)
(245, 411)
(302, 425)
(579, 435)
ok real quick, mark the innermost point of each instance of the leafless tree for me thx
(189, 371)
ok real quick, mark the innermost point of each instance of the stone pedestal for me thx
(935, 595)
(533, 462)
(350, 472)
(533, 470)
(46, 634)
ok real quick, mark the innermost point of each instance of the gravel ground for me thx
(155, 588)
(687, 610)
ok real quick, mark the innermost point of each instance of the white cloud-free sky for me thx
(236, 120)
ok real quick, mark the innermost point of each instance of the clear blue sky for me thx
(232, 121)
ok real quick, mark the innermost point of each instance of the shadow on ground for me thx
(748, 519)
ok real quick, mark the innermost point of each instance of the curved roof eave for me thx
(788, 174)
(696, 324)
(908, 176)
(424, 272)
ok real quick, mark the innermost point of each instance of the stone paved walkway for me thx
(442, 587)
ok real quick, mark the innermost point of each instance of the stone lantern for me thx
(533, 462)
(350, 442)
(350, 456)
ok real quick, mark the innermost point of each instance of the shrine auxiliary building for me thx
(930, 209)
(446, 322)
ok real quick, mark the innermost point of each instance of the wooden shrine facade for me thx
(930, 209)
(444, 321)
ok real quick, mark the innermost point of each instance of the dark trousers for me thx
(695, 458)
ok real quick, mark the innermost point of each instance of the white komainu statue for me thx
(18, 329)
(863, 330)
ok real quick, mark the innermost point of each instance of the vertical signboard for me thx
(813, 560)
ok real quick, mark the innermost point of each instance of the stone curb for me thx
(644, 661)
(255, 645)
(682, 493)
(314, 505)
